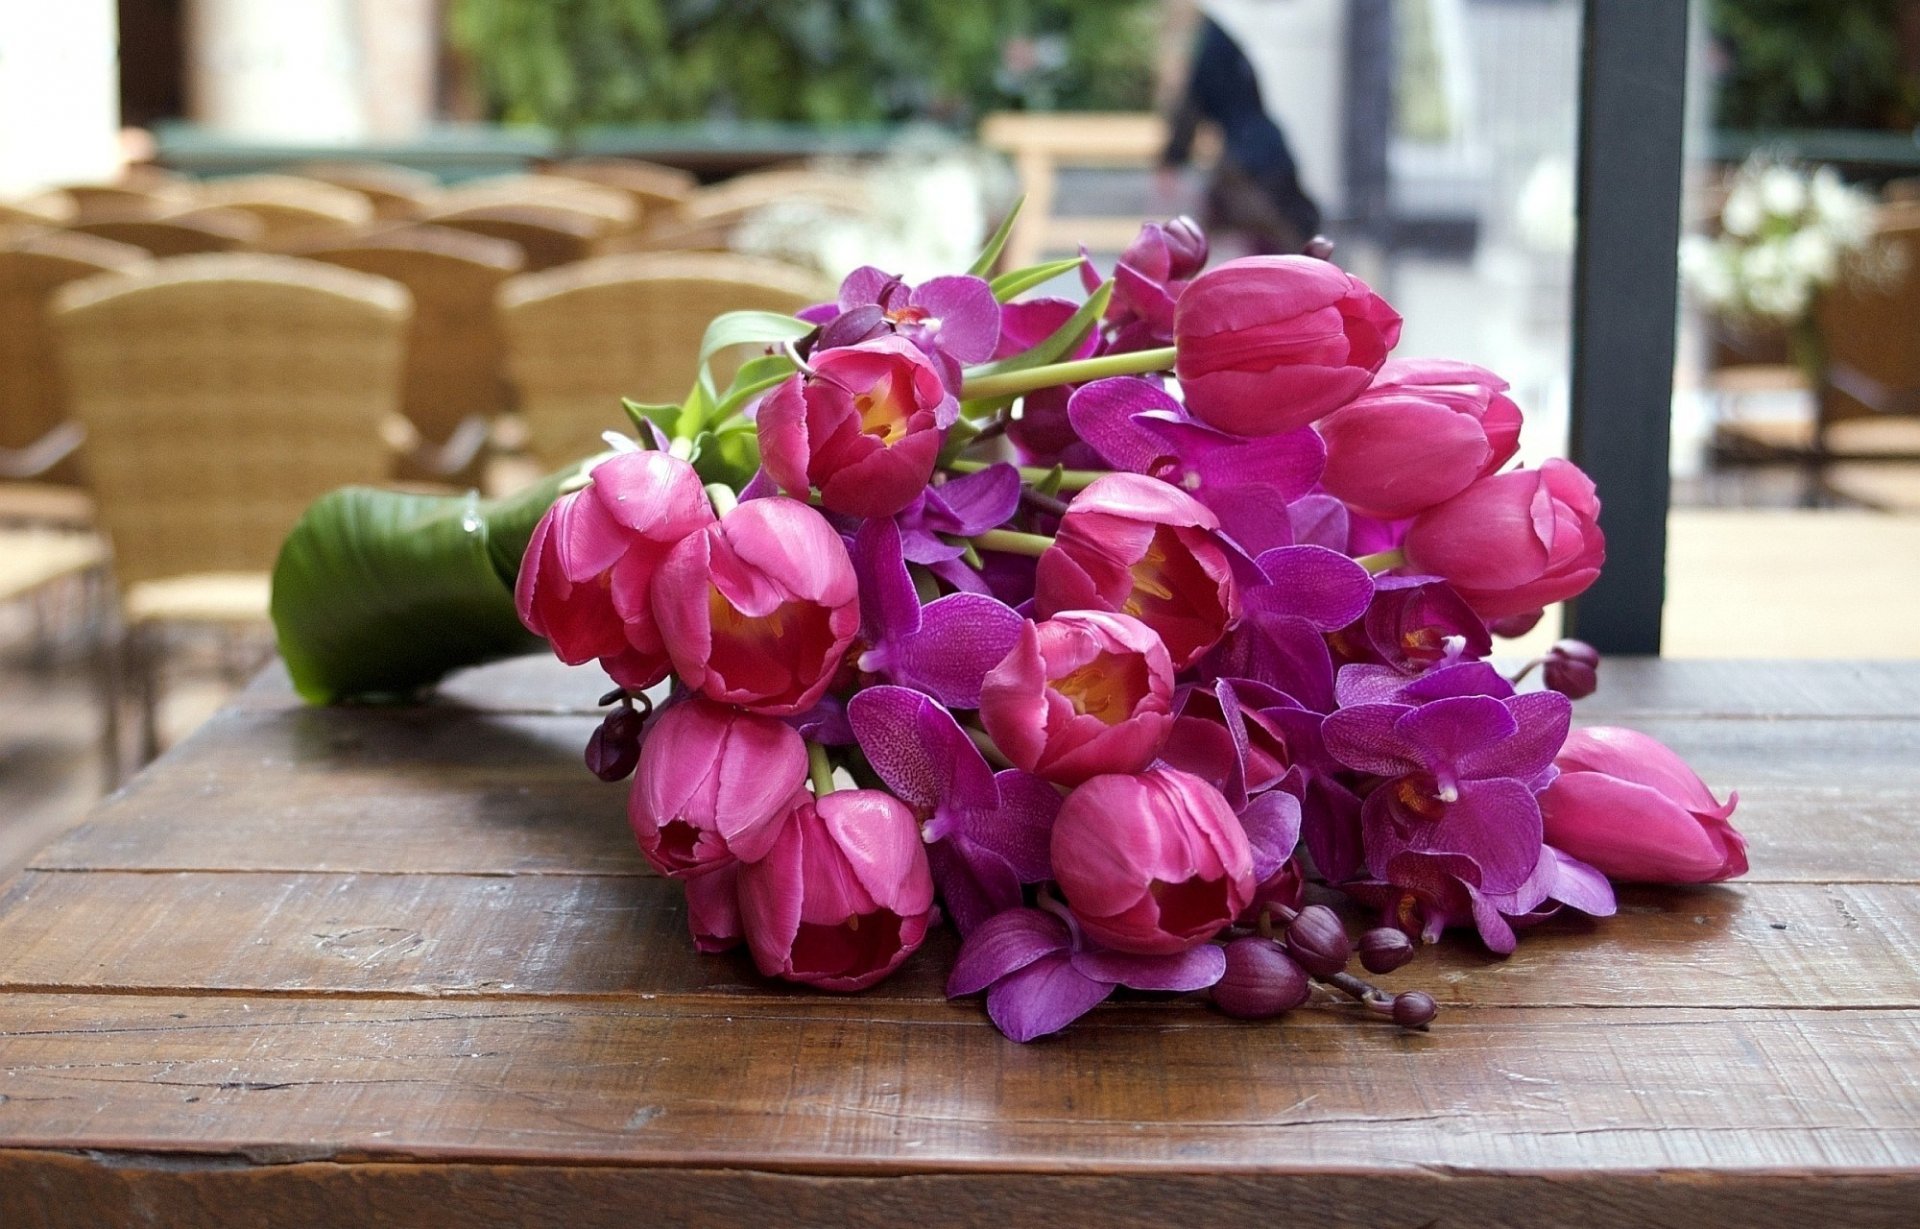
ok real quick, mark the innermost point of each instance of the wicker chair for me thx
(295, 212)
(658, 190)
(146, 196)
(582, 337)
(706, 220)
(454, 385)
(609, 210)
(193, 233)
(36, 437)
(36, 212)
(547, 238)
(221, 395)
(397, 193)
(1869, 395)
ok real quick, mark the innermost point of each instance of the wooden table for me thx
(402, 966)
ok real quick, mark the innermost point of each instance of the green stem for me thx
(1076, 371)
(1034, 475)
(819, 770)
(1012, 542)
(724, 498)
(1382, 560)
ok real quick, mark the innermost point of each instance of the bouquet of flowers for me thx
(1786, 234)
(1122, 633)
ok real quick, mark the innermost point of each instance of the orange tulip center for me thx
(1108, 687)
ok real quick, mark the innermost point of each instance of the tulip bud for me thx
(1267, 344)
(1082, 694)
(1630, 808)
(1138, 546)
(1318, 940)
(1153, 863)
(1384, 949)
(614, 748)
(1572, 668)
(865, 426)
(1261, 980)
(1514, 542)
(1418, 436)
(1414, 1009)
(713, 785)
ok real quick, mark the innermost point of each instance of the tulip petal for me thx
(1042, 998)
(1006, 943)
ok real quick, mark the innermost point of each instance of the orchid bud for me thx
(1318, 940)
(1186, 247)
(614, 748)
(1384, 949)
(1414, 1009)
(1572, 668)
(1261, 980)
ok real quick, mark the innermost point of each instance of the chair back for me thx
(143, 197)
(582, 337)
(194, 233)
(293, 211)
(453, 345)
(658, 190)
(32, 212)
(221, 395)
(706, 220)
(609, 210)
(1867, 326)
(547, 238)
(397, 193)
(32, 268)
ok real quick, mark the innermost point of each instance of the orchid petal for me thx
(1194, 969)
(1006, 943)
(1044, 997)
(919, 750)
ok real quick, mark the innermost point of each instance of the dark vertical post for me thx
(1632, 107)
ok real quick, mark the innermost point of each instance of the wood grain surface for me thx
(403, 966)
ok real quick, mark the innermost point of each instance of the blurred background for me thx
(250, 251)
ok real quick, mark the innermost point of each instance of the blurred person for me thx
(1255, 188)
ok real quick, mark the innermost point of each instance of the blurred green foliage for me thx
(1815, 64)
(572, 63)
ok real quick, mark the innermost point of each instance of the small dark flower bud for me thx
(614, 748)
(1572, 668)
(1318, 941)
(1261, 980)
(1319, 247)
(1414, 1009)
(1384, 949)
(1186, 247)
(1515, 625)
(853, 326)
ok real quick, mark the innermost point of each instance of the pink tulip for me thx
(713, 909)
(1632, 809)
(1267, 344)
(1417, 437)
(843, 897)
(1152, 863)
(759, 608)
(1081, 694)
(1513, 542)
(713, 784)
(1138, 546)
(865, 426)
(587, 577)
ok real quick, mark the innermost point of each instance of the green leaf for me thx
(1007, 285)
(377, 593)
(983, 263)
(1061, 342)
(661, 416)
(746, 328)
(754, 377)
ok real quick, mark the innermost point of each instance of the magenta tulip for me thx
(1513, 542)
(1082, 694)
(713, 784)
(1138, 546)
(1418, 436)
(1152, 863)
(864, 425)
(1626, 805)
(587, 577)
(844, 895)
(759, 608)
(1267, 344)
(713, 909)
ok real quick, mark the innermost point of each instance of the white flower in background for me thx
(1786, 234)
(1544, 211)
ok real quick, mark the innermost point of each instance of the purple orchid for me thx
(961, 507)
(1422, 898)
(1416, 623)
(987, 832)
(1459, 778)
(943, 648)
(1365, 683)
(953, 320)
(1147, 281)
(1321, 520)
(1135, 425)
(1302, 593)
(1041, 974)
